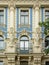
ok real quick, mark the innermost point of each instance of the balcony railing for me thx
(24, 51)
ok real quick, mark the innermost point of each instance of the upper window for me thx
(24, 43)
(1, 17)
(2, 44)
(24, 17)
(46, 14)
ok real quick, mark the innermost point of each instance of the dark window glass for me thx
(46, 14)
(47, 41)
(47, 62)
(1, 16)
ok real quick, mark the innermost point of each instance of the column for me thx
(10, 19)
(12, 16)
(11, 30)
(8, 23)
(18, 60)
(37, 48)
(11, 60)
(29, 61)
(37, 16)
(37, 61)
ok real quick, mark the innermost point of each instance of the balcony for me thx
(24, 51)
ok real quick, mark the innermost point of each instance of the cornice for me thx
(2, 55)
(23, 2)
(39, 55)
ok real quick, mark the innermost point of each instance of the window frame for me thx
(45, 12)
(4, 17)
(24, 41)
(28, 25)
(3, 46)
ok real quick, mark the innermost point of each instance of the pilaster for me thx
(37, 17)
(37, 60)
(37, 31)
(11, 16)
(29, 61)
(18, 60)
(11, 59)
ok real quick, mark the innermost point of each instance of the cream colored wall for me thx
(11, 45)
(11, 29)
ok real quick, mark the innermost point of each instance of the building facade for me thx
(22, 41)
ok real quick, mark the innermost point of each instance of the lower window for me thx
(47, 62)
(23, 62)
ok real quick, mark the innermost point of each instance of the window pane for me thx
(24, 12)
(24, 17)
(1, 63)
(2, 19)
(22, 20)
(1, 16)
(2, 44)
(46, 17)
(22, 45)
(26, 20)
(1, 38)
(47, 14)
(26, 45)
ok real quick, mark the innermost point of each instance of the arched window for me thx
(47, 41)
(24, 41)
(2, 44)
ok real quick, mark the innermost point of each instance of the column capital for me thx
(29, 58)
(37, 60)
(11, 4)
(36, 6)
(18, 58)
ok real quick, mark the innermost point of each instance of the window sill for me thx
(2, 50)
(24, 25)
(3, 25)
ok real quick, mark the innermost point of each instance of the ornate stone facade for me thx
(10, 56)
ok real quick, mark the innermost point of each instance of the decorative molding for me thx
(1, 32)
(24, 32)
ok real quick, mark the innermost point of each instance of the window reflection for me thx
(24, 43)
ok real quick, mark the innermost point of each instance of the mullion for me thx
(24, 18)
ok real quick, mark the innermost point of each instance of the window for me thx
(47, 62)
(24, 43)
(24, 17)
(1, 62)
(2, 44)
(23, 62)
(1, 17)
(46, 14)
(47, 41)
